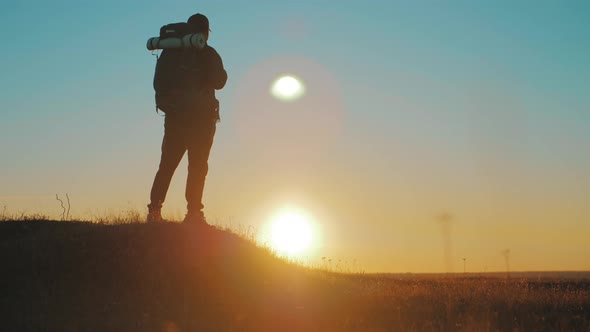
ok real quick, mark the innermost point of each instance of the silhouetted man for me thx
(192, 112)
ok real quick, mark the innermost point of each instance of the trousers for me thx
(183, 134)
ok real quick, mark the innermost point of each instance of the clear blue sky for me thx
(477, 107)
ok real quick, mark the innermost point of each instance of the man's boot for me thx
(195, 218)
(154, 213)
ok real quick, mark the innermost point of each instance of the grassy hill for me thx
(77, 276)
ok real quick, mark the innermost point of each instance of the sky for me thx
(413, 109)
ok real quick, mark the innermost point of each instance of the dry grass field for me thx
(81, 276)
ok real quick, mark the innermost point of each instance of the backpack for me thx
(177, 71)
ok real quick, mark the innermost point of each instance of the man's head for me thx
(201, 22)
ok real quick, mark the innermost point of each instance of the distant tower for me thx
(464, 263)
(506, 254)
(444, 220)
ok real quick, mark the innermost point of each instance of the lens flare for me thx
(287, 88)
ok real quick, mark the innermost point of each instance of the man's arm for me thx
(216, 74)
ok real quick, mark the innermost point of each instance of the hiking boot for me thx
(154, 214)
(195, 218)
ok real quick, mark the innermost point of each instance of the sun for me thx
(287, 88)
(291, 232)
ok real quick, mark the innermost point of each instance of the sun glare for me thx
(287, 88)
(291, 232)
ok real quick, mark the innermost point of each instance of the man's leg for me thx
(199, 147)
(173, 148)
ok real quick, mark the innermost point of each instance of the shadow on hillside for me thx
(73, 276)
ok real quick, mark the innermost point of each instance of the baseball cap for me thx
(200, 21)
